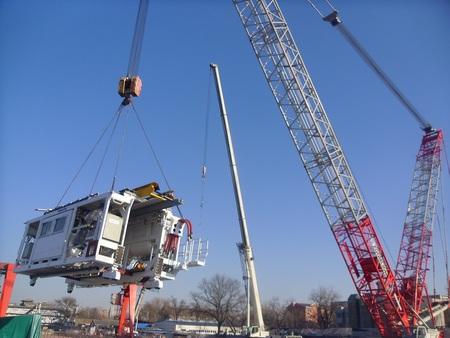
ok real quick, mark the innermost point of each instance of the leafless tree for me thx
(325, 298)
(68, 305)
(219, 297)
(274, 314)
(155, 310)
(177, 308)
(92, 313)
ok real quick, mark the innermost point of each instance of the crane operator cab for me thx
(131, 236)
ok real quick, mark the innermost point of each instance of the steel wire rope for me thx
(443, 232)
(102, 161)
(120, 150)
(153, 151)
(446, 156)
(136, 46)
(315, 8)
(336, 21)
(433, 266)
(205, 148)
(102, 134)
(377, 228)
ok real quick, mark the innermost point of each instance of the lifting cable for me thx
(152, 149)
(120, 151)
(443, 232)
(102, 161)
(136, 46)
(99, 139)
(375, 224)
(336, 21)
(446, 157)
(205, 148)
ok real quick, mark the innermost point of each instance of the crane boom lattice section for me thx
(412, 262)
(324, 161)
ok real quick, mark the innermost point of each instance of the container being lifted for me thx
(114, 238)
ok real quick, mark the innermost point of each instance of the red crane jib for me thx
(415, 248)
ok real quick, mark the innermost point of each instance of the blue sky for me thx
(60, 63)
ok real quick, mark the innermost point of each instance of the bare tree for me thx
(219, 297)
(274, 314)
(155, 310)
(68, 305)
(325, 298)
(177, 308)
(92, 313)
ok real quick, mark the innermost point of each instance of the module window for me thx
(46, 227)
(59, 224)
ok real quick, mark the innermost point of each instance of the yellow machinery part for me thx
(147, 190)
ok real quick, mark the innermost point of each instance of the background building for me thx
(358, 315)
(173, 328)
(341, 314)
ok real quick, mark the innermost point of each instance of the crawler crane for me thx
(386, 297)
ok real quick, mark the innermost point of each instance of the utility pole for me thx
(253, 299)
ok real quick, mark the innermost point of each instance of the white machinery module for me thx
(113, 238)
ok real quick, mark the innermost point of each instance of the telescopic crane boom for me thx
(257, 329)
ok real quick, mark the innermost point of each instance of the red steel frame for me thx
(127, 311)
(413, 258)
(8, 286)
(372, 276)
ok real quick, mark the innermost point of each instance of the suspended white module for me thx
(123, 237)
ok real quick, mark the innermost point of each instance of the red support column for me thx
(8, 285)
(127, 311)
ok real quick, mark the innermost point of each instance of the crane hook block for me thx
(130, 86)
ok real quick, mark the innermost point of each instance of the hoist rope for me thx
(443, 232)
(433, 267)
(331, 6)
(120, 151)
(377, 228)
(367, 58)
(315, 8)
(136, 46)
(205, 146)
(97, 142)
(153, 151)
(100, 166)
(446, 156)
(383, 76)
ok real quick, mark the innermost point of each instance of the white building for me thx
(191, 327)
